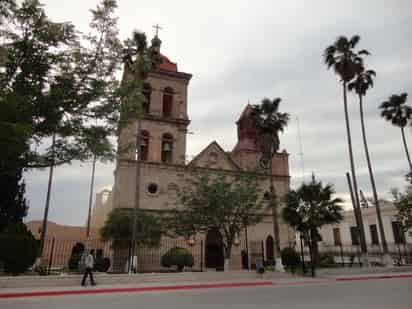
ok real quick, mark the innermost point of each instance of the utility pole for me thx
(137, 197)
(48, 195)
(91, 197)
(358, 216)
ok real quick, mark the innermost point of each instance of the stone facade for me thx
(148, 177)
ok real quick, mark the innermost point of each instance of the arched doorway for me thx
(214, 250)
(270, 254)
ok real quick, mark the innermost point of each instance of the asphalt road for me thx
(376, 294)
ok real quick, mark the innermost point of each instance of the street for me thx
(388, 293)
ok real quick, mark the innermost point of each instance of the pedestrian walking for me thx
(89, 265)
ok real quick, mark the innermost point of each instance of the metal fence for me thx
(348, 255)
(57, 254)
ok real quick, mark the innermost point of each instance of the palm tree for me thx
(268, 122)
(361, 84)
(309, 208)
(347, 63)
(399, 113)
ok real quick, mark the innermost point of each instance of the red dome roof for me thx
(167, 64)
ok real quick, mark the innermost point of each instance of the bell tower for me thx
(163, 127)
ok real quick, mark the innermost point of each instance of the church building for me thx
(148, 178)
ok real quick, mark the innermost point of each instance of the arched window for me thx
(147, 92)
(167, 102)
(167, 148)
(144, 145)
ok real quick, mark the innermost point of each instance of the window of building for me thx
(336, 236)
(167, 102)
(213, 157)
(152, 188)
(354, 235)
(374, 234)
(398, 234)
(147, 92)
(144, 145)
(167, 148)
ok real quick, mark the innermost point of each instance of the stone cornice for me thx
(180, 121)
(181, 167)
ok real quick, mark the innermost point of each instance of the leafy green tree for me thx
(13, 204)
(118, 229)
(360, 85)
(269, 122)
(217, 202)
(347, 63)
(403, 202)
(399, 113)
(310, 207)
(18, 248)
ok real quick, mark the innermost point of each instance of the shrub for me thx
(18, 248)
(179, 257)
(41, 270)
(102, 264)
(326, 259)
(75, 256)
(74, 262)
(290, 258)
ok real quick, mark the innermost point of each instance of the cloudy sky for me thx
(240, 51)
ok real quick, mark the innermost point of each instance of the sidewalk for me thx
(190, 281)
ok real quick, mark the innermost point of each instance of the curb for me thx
(135, 289)
(374, 277)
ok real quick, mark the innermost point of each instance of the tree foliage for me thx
(18, 248)
(343, 59)
(13, 204)
(218, 202)
(403, 202)
(118, 228)
(269, 122)
(396, 110)
(310, 207)
(399, 113)
(56, 81)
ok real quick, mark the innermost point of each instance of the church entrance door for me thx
(214, 250)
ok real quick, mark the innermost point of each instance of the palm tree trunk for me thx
(406, 149)
(275, 218)
(358, 214)
(372, 179)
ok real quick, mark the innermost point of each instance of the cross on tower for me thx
(157, 27)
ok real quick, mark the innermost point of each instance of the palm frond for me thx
(354, 41)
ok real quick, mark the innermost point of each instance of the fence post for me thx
(341, 254)
(201, 255)
(263, 253)
(358, 254)
(51, 256)
(302, 254)
(400, 255)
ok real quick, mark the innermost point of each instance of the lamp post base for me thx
(278, 265)
(387, 260)
(364, 259)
